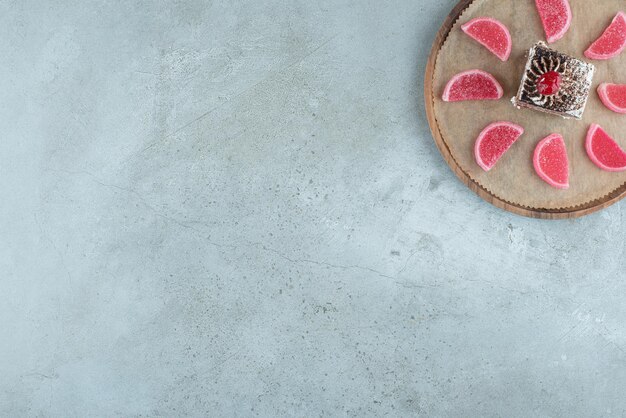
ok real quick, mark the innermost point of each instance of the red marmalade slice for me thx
(612, 42)
(494, 141)
(551, 163)
(472, 85)
(604, 151)
(556, 17)
(492, 34)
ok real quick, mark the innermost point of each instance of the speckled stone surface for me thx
(235, 208)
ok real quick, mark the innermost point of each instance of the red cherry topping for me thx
(549, 83)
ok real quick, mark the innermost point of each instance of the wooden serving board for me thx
(519, 209)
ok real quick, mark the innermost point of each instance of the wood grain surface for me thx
(567, 213)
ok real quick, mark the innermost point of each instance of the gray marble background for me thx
(235, 208)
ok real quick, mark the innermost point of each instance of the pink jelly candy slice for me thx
(556, 17)
(551, 163)
(613, 96)
(604, 151)
(472, 85)
(494, 141)
(492, 34)
(612, 42)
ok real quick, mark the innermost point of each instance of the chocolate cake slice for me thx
(554, 83)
